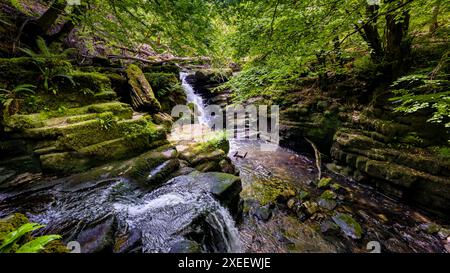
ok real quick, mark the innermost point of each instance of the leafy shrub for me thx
(418, 91)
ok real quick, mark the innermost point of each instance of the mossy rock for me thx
(145, 138)
(167, 90)
(210, 166)
(70, 115)
(18, 70)
(161, 81)
(54, 123)
(348, 225)
(113, 129)
(142, 96)
(186, 246)
(93, 81)
(212, 76)
(324, 182)
(11, 223)
(142, 165)
(385, 127)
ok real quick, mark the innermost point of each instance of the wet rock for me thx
(430, 228)
(327, 226)
(98, 236)
(226, 166)
(447, 247)
(324, 182)
(186, 246)
(345, 171)
(327, 204)
(290, 203)
(285, 195)
(444, 233)
(162, 172)
(264, 213)
(211, 166)
(327, 200)
(130, 242)
(5, 175)
(303, 195)
(416, 173)
(152, 167)
(348, 225)
(311, 207)
(225, 187)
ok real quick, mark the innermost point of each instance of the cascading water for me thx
(96, 212)
(191, 97)
(171, 213)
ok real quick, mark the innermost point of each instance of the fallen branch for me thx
(318, 158)
(160, 61)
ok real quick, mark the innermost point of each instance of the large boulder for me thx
(224, 187)
(142, 96)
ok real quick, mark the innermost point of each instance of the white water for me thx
(193, 98)
(229, 232)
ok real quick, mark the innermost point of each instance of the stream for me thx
(117, 214)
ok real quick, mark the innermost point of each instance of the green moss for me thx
(348, 225)
(107, 128)
(119, 109)
(20, 122)
(324, 182)
(328, 195)
(94, 81)
(303, 195)
(56, 246)
(64, 163)
(18, 70)
(161, 81)
(137, 142)
(142, 95)
(72, 115)
(216, 140)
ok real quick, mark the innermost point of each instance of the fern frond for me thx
(37, 244)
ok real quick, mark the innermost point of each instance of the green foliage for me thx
(37, 244)
(10, 241)
(180, 26)
(52, 65)
(416, 92)
(107, 122)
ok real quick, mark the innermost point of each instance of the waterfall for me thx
(191, 97)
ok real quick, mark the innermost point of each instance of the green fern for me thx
(17, 92)
(33, 246)
(15, 235)
(37, 244)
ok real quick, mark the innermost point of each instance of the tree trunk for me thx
(46, 21)
(371, 35)
(434, 19)
(70, 24)
(398, 45)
